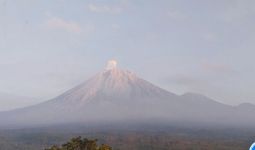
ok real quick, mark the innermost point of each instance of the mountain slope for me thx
(114, 95)
(114, 83)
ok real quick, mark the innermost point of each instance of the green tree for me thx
(104, 147)
(81, 144)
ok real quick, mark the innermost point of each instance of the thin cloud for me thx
(209, 36)
(115, 26)
(96, 8)
(217, 67)
(184, 80)
(237, 10)
(175, 15)
(58, 23)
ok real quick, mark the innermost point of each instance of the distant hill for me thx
(11, 101)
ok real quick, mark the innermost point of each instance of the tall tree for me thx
(81, 144)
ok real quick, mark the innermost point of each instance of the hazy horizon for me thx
(48, 47)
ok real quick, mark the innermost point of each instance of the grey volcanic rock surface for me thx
(115, 95)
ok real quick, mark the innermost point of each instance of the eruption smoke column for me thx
(111, 64)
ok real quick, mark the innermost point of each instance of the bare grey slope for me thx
(115, 95)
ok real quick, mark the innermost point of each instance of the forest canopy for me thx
(78, 143)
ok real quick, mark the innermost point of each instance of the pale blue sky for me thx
(208, 47)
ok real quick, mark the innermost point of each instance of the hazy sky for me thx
(208, 47)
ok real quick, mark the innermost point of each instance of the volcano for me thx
(116, 95)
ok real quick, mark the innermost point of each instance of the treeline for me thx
(81, 144)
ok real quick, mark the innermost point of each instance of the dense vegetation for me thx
(80, 144)
(154, 139)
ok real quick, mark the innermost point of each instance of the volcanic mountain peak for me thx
(116, 95)
(115, 77)
(113, 84)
